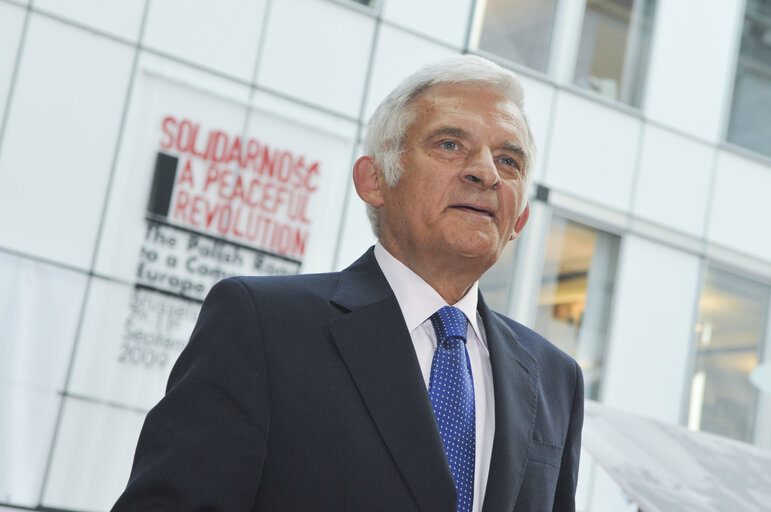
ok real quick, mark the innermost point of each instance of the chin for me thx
(473, 244)
(477, 251)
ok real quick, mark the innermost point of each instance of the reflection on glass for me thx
(496, 282)
(613, 53)
(732, 316)
(749, 126)
(576, 291)
(518, 30)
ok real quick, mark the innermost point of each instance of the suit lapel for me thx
(515, 381)
(374, 343)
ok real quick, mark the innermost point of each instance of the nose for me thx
(481, 170)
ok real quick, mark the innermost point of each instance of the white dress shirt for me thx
(418, 301)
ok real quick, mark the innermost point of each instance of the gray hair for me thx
(384, 139)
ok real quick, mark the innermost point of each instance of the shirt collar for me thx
(417, 299)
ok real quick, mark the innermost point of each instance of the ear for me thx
(367, 180)
(521, 221)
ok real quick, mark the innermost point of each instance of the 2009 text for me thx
(144, 356)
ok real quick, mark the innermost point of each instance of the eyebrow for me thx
(512, 147)
(447, 130)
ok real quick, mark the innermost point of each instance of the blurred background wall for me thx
(149, 148)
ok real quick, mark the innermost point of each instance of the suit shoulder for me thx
(293, 287)
(538, 346)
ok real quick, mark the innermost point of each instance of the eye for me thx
(507, 160)
(449, 145)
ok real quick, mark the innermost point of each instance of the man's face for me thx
(461, 190)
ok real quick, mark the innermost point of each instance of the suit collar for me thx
(515, 381)
(361, 284)
(377, 349)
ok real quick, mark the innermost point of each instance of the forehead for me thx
(467, 106)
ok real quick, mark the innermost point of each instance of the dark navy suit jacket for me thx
(303, 393)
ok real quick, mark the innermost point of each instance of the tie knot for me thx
(449, 322)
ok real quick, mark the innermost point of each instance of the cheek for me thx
(514, 204)
(513, 199)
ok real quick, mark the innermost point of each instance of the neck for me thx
(452, 291)
(450, 278)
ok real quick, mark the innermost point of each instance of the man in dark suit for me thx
(363, 389)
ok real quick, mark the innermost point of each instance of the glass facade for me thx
(729, 338)
(613, 52)
(496, 282)
(749, 126)
(575, 295)
(518, 30)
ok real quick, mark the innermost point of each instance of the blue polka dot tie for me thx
(451, 390)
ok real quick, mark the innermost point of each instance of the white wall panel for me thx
(92, 456)
(592, 151)
(39, 308)
(740, 209)
(673, 183)
(356, 234)
(186, 74)
(692, 64)
(60, 140)
(446, 20)
(651, 329)
(539, 101)
(121, 19)
(35, 352)
(26, 430)
(398, 54)
(11, 23)
(309, 55)
(291, 110)
(219, 34)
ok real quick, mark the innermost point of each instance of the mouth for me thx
(473, 208)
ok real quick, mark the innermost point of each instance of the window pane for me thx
(749, 126)
(613, 53)
(576, 291)
(518, 30)
(732, 313)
